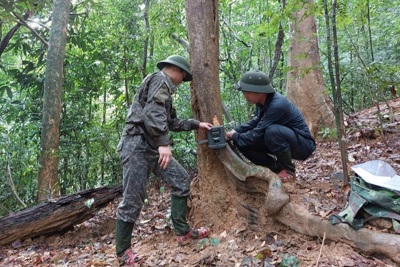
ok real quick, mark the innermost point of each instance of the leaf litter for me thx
(318, 187)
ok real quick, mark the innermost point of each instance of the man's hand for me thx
(229, 134)
(205, 125)
(165, 156)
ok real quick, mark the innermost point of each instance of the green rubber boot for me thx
(123, 236)
(179, 210)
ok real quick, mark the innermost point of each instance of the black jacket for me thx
(276, 110)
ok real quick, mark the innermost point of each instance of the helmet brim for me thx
(245, 87)
(161, 65)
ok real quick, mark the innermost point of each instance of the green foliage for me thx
(366, 71)
(328, 133)
(162, 189)
(290, 261)
(214, 242)
(104, 66)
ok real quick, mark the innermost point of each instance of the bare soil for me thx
(318, 187)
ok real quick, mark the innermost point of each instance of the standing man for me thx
(144, 148)
(278, 132)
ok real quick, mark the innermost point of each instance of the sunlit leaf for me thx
(89, 202)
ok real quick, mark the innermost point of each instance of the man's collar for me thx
(169, 83)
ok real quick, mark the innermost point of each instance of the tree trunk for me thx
(220, 193)
(371, 47)
(305, 86)
(230, 194)
(55, 216)
(338, 108)
(48, 186)
(146, 38)
(278, 46)
(211, 187)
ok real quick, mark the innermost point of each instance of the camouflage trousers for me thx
(138, 160)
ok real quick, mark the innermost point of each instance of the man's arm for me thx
(165, 152)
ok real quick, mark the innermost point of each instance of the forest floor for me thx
(318, 187)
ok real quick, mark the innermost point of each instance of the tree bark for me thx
(55, 216)
(305, 86)
(48, 186)
(211, 192)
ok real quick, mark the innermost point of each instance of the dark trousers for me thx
(278, 140)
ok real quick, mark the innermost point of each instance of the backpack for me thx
(367, 201)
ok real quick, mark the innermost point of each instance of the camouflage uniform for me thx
(368, 201)
(149, 119)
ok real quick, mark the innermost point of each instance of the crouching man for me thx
(278, 132)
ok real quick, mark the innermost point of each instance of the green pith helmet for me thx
(255, 81)
(179, 62)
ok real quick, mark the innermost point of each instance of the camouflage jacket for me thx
(152, 112)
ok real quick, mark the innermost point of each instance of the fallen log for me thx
(55, 216)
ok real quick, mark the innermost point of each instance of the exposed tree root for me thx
(261, 181)
(302, 221)
(253, 178)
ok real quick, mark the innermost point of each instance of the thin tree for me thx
(339, 110)
(146, 38)
(337, 107)
(48, 186)
(370, 31)
(278, 47)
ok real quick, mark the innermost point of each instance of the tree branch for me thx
(180, 40)
(10, 34)
(237, 38)
(23, 22)
(11, 182)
